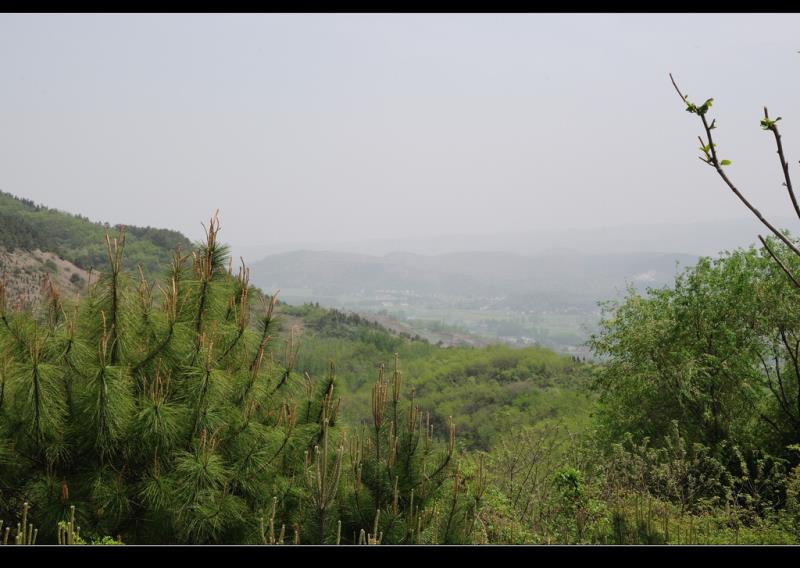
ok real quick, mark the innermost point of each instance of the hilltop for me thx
(27, 226)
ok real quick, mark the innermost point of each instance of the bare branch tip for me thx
(674, 84)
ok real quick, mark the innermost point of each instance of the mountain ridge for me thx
(704, 238)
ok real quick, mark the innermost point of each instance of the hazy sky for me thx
(342, 127)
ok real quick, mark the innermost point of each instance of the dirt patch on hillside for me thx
(25, 272)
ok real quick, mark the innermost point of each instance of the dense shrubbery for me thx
(700, 395)
(718, 353)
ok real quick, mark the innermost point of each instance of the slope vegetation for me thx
(27, 226)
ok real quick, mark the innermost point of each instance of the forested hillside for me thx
(27, 226)
(487, 391)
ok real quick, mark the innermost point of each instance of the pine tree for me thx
(163, 417)
(159, 413)
(404, 487)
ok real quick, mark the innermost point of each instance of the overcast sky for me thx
(345, 127)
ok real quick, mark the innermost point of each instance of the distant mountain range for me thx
(537, 270)
(702, 239)
(572, 276)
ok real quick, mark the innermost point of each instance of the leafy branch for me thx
(711, 158)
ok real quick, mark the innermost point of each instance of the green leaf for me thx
(725, 163)
(768, 124)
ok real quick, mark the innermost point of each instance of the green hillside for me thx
(28, 226)
(487, 391)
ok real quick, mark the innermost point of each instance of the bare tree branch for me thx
(770, 125)
(779, 261)
(782, 403)
(795, 364)
(713, 161)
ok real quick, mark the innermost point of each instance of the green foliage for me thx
(486, 391)
(415, 491)
(171, 420)
(698, 109)
(490, 391)
(161, 421)
(768, 124)
(714, 353)
(68, 532)
(574, 513)
(700, 399)
(28, 226)
(181, 417)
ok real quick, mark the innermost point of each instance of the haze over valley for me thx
(540, 287)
